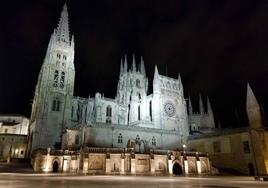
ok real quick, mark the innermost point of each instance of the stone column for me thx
(198, 165)
(85, 165)
(186, 167)
(152, 163)
(122, 171)
(65, 165)
(108, 166)
(133, 166)
(170, 166)
(209, 167)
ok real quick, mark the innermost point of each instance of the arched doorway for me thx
(251, 169)
(55, 166)
(177, 170)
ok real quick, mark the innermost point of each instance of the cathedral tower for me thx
(132, 91)
(168, 104)
(54, 90)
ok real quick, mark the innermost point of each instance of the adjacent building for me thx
(13, 136)
(242, 149)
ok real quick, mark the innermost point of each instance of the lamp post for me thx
(184, 147)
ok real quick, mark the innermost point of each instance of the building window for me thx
(139, 113)
(246, 147)
(58, 56)
(56, 105)
(72, 113)
(5, 130)
(108, 121)
(153, 141)
(21, 152)
(120, 138)
(150, 110)
(76, 139)
(138, 83)
(56, 78)
(109, 111)
(3, 139)
(62, 78)
(64, 57)
(57, 63)
(217, 147)
(137, 138)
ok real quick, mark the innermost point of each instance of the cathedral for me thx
(158, 120)
(133, 119)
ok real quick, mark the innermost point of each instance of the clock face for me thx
(169, 109)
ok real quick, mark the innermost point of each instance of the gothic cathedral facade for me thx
(133, 118)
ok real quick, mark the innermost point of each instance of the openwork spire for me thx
(190, 106)
(133, 64)
(62, 32)
(201, 106)
(142, 66)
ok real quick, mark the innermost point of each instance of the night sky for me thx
(217, 46)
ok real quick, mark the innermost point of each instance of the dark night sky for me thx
(217, 46)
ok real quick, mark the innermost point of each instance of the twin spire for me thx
(124, 68)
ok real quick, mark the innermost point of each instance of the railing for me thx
(108, 150)
(117, 150)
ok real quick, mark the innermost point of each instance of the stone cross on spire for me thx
(62, 32)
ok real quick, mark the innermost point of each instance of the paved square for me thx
(56, 180)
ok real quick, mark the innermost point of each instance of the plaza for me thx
(63, 180)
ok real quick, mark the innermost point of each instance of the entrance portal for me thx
(55, 166)
(177, 170)
(251, 169)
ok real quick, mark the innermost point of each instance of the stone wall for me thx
(12, 146)
(226, 151)
(112, 161)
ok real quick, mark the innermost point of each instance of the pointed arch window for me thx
(150, 110)
(56, 105)
(76, 139)
(72, 113)
(153, 141)
(62, 79)
(56, 78)
(139, 113)
(137, 138)
(120, 139)
(109, 111)
(138, 83)
(57, 63)
(58, 56)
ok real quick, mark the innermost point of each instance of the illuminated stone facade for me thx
(155, 121)
(121, 161)
(201, 121)
(133, 120)
(241, 149)
(13, 137)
